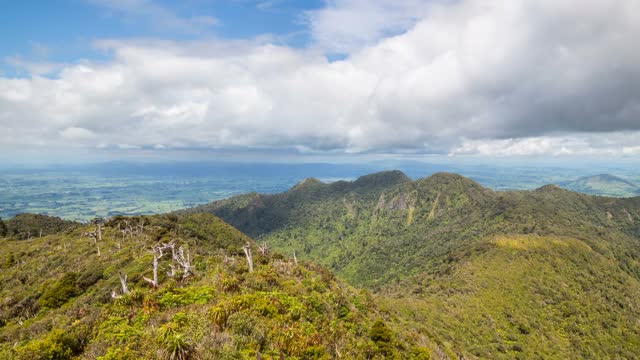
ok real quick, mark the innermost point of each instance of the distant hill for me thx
(547, 273)
(603, 184)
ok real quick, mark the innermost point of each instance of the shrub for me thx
(63, 290)
(89, 277)
(175, 344)
(382, 337)
(58, 345)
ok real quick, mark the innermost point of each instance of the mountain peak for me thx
(307, 183)
(383, 178)
(549, 188)
(446, 179)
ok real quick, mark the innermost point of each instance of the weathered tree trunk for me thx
(157, 254)
(123, 283)
(97, 246)
(247, 253)
(182, 260)
(99, 228)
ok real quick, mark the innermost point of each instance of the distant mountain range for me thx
(603, 184)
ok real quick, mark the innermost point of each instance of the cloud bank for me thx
(485, 77)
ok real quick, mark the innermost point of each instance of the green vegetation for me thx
(517, 274)
(527, 297)
(26, 226)
(376, 235)
(61, 300)
(447, 269)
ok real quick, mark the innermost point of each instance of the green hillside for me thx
(527, 297)
(603, 184)
(455, 270)
(536, 274)
(62, 298)
(375, 235)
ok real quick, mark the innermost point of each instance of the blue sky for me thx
(64, 30)
(368, 79)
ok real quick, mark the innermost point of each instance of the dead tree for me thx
(264, 249)
(124, 233)
(172, 272)
(295, 259)
(158, 252)
(183, 261)
(247, 253)
(94, 236)
(123, 283)
(99, 230)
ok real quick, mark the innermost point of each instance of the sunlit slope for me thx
(527, 297)
(62, 298)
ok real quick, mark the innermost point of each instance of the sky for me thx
(89, 80)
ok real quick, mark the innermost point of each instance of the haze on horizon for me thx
(103, 80)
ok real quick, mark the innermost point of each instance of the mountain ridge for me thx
(603, 184)
(455, 259)
(456, 271)
(443, 204)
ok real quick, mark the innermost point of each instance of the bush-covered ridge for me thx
(26, 226)
(62, 300)
(547, 273)
(528, 297)
(375, 235)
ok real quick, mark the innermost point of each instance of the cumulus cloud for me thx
(347, 25)
(464, 77)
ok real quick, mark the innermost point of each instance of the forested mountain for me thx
(547, 273)
(385, 227)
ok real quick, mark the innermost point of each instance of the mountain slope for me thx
(603, 184)
(528, 297)
(62, 298)
(547, 273)
(374, 236)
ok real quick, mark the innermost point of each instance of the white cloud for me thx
(77, 134)
(489, 77)
(347, 25)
